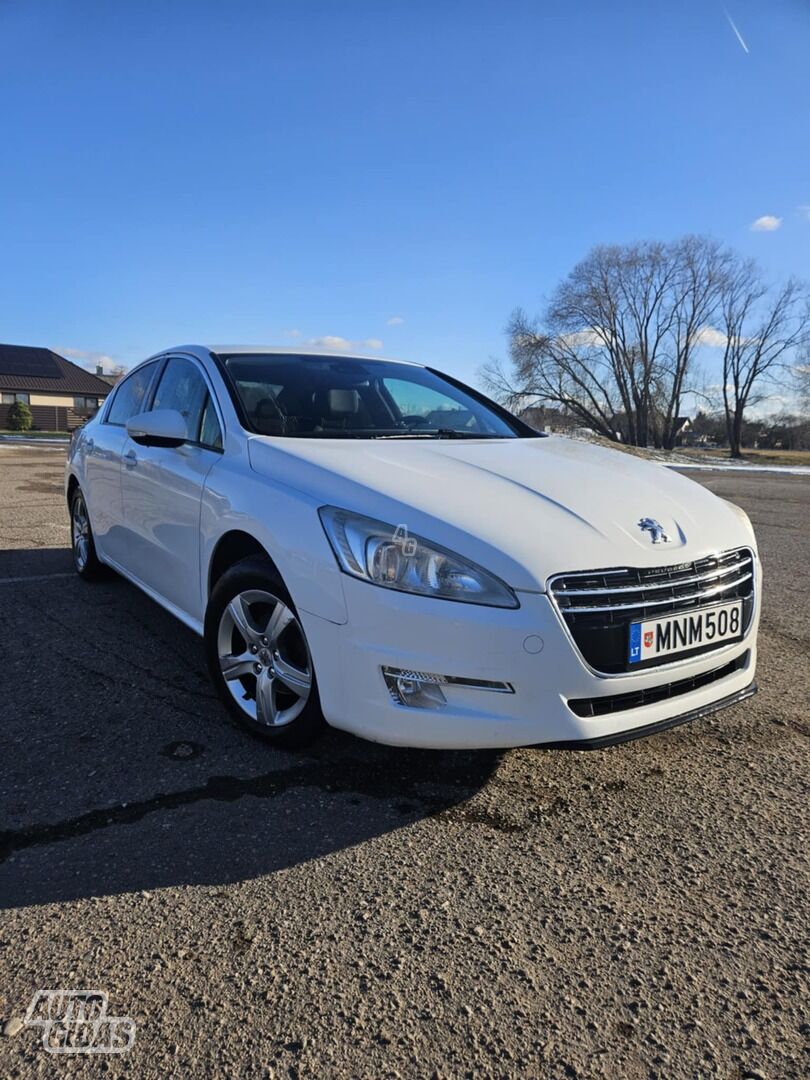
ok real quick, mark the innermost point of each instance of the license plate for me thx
(681, 633)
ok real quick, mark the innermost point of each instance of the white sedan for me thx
(373, 544)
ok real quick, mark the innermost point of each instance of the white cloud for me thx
(88, 358)
(762, 409)
(766, 223)
(335, 343)
(395, 320)
(716, 339)
(331, 341)
(774, 404)
(708, 335)
(805, 211)
(578, 338)
(292, 333)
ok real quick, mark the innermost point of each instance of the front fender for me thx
(286, 523)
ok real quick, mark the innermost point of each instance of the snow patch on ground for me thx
(674, 459)
(721, 466)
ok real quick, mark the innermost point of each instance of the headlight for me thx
(390, 556)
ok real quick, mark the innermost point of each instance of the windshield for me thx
(341, 397)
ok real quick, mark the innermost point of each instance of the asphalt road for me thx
(371, 912)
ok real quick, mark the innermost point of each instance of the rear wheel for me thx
(81, 535)
(258, 655)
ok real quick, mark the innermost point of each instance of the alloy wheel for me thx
(263, 657)
(80, 532)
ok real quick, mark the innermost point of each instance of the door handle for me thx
(130, 459)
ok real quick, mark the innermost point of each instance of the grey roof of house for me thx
(26, 368)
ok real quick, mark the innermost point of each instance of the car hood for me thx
(522, 508)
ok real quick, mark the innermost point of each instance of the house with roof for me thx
(61, 395)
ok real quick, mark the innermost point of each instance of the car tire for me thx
(83, 546)
(258, 655)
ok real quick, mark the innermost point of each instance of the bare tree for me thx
(702, 268)
(762, 328)
(801, 378)
(615, 346)
(556, 370)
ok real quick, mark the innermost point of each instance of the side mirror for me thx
(162, 427)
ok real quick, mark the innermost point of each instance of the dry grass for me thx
(685, 455)
(757, 457)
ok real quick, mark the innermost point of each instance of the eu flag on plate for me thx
(635, 643)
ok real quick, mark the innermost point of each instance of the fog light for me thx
(417, 689)
(423, 689)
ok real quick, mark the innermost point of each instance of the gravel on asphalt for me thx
(363, 911)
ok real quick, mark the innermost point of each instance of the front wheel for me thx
(258, 655)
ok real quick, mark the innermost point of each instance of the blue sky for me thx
(173, 172)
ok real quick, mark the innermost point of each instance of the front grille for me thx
(599, 605)
(603, 706)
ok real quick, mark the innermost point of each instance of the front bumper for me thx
(617, 737)
(526, 648)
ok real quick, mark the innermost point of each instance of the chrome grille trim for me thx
(710, 576)
(704, 594)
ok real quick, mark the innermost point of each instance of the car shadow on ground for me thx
(122, 772)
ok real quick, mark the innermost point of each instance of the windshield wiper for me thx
(397, 433)
(452, 433)
(322, 435)
(440, 433)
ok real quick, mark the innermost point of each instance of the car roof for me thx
(282, 350)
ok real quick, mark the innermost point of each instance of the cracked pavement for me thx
(363, 911)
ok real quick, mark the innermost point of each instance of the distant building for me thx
(109, 377)
(545, 418)
(61, 395)
(682, 430)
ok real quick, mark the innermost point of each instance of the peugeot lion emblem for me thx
(655, 530)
